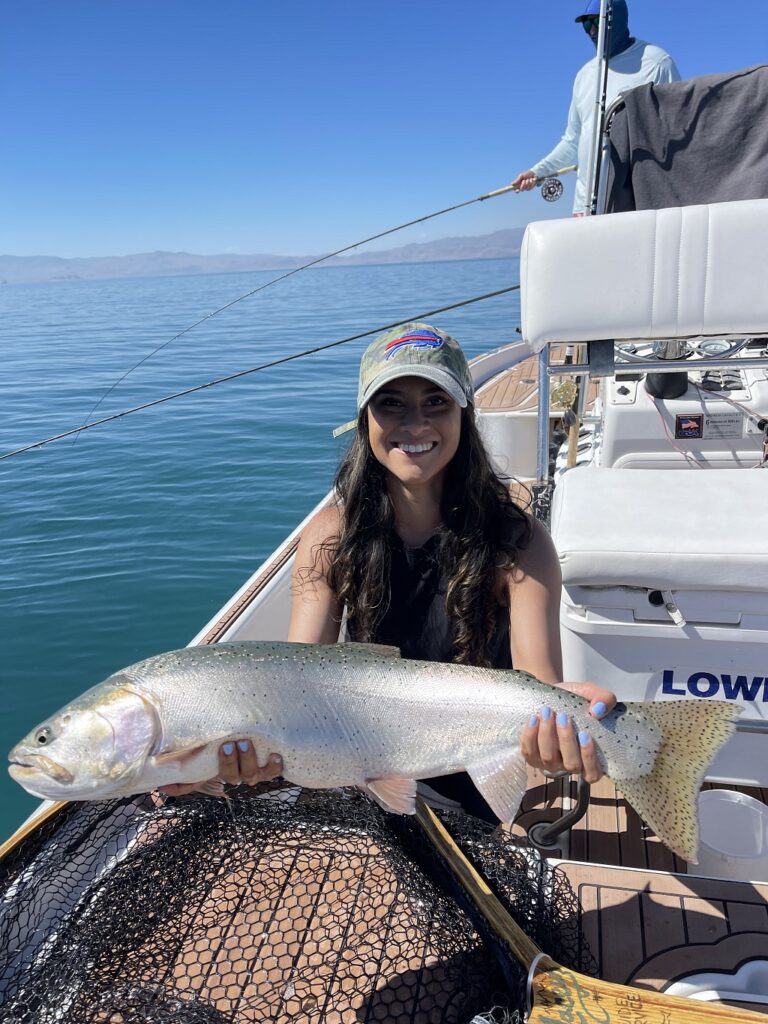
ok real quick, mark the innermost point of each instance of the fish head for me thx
(94, 748)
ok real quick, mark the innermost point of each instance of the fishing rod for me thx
(255, 369)
(551, 190)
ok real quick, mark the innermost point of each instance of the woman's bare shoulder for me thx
(540, 535)
(324, 525)
(315, 610)
(538, 558)
(319, 538)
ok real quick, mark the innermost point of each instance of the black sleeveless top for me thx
(416, 621)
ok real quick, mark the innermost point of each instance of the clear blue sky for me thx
(296, 126)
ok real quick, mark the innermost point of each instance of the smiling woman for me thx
(426, 550)
(413, 430)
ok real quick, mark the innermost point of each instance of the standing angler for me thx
(631, 62)
(358, 715)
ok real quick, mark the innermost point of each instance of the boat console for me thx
(718, 422)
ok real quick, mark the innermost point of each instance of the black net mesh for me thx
(321, 909)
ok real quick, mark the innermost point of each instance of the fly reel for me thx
(551, 189)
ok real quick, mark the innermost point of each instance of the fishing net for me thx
(281, 907)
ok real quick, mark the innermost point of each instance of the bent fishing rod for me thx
(255, 369)
(551, 189)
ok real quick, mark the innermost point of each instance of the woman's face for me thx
(414, 429)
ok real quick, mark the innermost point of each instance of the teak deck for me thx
(610, 832)
(643, 927)
(649, 931)
(517, 389)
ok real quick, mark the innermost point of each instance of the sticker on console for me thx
(689, 425)
(724, 424)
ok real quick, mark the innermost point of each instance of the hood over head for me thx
(620, 37)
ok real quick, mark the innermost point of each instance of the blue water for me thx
(126, 542)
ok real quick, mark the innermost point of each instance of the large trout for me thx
(358, 715)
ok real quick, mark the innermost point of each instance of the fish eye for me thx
(42, 736)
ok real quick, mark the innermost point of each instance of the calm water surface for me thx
(125, 543)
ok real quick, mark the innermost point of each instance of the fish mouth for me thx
(39, 764)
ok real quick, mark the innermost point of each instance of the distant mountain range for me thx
(18, 269)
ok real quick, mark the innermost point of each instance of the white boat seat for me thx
(693, 271)
(662, 529)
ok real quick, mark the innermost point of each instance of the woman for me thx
(425, 550)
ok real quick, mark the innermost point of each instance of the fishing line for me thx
(256, 369)
(313, 263)
(283, 277)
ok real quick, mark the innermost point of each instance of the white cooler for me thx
(665, 592)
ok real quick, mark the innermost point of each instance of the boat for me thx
(640, 425)
(659, 612)
(651, 462)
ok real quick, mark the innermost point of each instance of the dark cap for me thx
(592, 11)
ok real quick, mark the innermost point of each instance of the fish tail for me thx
(667, 797)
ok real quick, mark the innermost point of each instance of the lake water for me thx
(126, 542)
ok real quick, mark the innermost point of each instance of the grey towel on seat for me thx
(683, 143)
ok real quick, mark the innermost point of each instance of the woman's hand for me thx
(237, 763)
(550, 742)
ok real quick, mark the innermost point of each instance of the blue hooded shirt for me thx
(620, 37)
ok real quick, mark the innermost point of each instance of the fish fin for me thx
(213, 787)
(502, 780)
(667, 797)
(383, 650)
(179, 756)
(394, 793)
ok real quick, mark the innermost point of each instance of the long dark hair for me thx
(482, 533)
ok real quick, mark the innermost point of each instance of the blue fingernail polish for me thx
(546, 714)
(228, 748)
(243, 745)
(562, 719)
(598, 710)
(534, 720)
(583, 738)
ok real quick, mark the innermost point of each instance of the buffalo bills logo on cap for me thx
(416, 339)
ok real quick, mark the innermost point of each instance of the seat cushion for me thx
(663, 529)
(675, 273)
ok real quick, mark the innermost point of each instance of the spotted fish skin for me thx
(358, 715)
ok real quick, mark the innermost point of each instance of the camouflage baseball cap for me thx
(413, 350)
